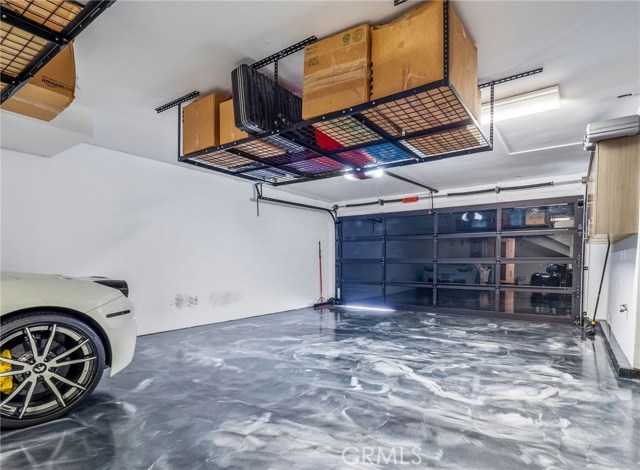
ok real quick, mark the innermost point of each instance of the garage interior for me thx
(421, 253)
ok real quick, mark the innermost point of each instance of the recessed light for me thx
(364, 175)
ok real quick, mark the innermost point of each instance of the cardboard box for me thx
(228, 130)
(50, 91)
(409, 52)
(201, 124)
(535, 217)
(337, 72)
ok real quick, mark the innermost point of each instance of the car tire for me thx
(58, 376)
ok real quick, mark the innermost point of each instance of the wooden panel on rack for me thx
(617, 189)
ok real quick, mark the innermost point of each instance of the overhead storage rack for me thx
(422, 124)
(32, 32)
(419, 125)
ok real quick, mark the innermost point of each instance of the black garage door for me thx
(519, 260)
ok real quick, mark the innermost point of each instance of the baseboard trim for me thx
(621, 365)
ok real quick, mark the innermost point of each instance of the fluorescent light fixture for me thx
(522, 105)
(546, 148)
(358, 175)
(372, 309)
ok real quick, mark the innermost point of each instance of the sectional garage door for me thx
(520, 260)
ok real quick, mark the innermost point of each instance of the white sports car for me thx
(58, 334)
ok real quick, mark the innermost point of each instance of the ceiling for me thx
(141, 54)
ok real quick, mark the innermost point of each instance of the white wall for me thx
(620, 286)
(623, 286)
(174, 233)
(594, 256)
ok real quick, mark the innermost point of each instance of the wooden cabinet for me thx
(613, 198)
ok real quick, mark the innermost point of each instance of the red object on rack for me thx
(357, 157)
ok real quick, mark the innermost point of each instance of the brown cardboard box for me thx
(409, 52)
(535, 217)
(201, 124)
(50, 91)
(228, 130)
(337, 72)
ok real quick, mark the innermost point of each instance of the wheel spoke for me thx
(27, 399)
(13, 361)
(11, 372)
(74, 361)
(49, 341)
(55, 390)
(64, 380)
(15, 392)
(32, 343)
(70, 351)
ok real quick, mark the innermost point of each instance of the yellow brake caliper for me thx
(6, 383)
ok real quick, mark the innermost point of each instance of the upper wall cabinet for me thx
(613, 200)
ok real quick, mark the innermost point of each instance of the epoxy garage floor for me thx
(368, 390)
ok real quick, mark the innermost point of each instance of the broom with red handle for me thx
(321, 299)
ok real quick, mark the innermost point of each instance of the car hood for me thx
(29, 290)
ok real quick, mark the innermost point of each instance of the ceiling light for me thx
(364, 175)
(522, 105)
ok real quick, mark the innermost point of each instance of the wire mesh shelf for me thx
(53, 14)
(425, 123)
(421, 124)
(33, 32)
(17, 49)
(442, 143)
(426, 110)
(228, 161)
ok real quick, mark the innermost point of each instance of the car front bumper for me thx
(117, 319)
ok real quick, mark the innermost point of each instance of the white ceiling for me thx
(141, 54)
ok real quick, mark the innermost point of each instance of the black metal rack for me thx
(33, 33)
(422, 124)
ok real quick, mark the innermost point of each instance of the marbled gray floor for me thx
(355, 390)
